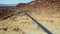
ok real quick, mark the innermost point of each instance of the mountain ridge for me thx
(7, 4)
(47, 6)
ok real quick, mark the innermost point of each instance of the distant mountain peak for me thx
(7, 4)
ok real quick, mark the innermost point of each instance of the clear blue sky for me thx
(14, 1)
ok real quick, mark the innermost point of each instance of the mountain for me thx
(47, 6)
(6, 5)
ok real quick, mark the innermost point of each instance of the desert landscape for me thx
(36, 17)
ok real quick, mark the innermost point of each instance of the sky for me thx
(14, 1)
